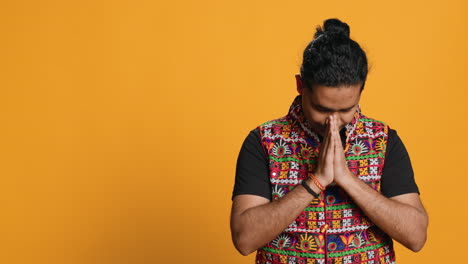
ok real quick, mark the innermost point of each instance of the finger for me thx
(326, 138)
(328, 123)
(337, 137)
(337, 147)
(339, 151)
(332, 127)
(328, 146)
(335, 124)
(329, 131)
(324, 160)
(331, 146)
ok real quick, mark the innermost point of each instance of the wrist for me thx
(345, 179)
(320, 181)
(313, 186)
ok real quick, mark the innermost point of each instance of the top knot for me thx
(332, 58)
(333, 26)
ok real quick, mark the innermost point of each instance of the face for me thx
(320, 102)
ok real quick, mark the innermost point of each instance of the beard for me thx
(321, 129)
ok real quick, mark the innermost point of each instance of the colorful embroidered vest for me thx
(332, 228)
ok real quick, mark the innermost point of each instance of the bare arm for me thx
(256, 221)
(402, 217)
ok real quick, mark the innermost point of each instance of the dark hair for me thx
(332, 58)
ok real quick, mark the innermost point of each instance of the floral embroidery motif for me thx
(332, 222)
(282, 241)
(280, 149)
(306, 243)
(359, 148)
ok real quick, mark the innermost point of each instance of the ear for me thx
(299, 84)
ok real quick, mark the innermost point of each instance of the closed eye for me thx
(323, 109)
(346, 110)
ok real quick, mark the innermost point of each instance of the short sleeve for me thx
(252, 172)
(397, 175)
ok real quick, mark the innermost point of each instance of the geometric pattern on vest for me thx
(332, 228)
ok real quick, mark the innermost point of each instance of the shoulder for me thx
(269, 128)
(369, 121)
(395, 144)
(392, 134)
(274, 122)
(372, 127)
(256, 135)
(253, 138)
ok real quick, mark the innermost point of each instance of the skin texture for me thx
(256, 221)
(322, 101)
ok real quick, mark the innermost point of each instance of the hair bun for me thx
(336, 26)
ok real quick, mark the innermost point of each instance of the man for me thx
(326, 184)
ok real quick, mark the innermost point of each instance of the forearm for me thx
(402, 222)
(258, 225)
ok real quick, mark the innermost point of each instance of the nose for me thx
(338, 119)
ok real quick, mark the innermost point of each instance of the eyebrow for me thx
(326, 109)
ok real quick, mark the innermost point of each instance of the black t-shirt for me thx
(253, 177)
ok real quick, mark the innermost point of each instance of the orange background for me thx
(121, 121)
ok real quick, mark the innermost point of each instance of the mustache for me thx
(323, 127)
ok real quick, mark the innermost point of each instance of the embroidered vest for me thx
(332, 228)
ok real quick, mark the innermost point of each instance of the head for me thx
(333, 75)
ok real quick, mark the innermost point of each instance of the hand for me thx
(325, 172)
(340, 168)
